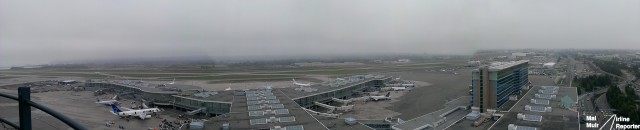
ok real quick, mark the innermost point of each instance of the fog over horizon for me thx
(41, 32)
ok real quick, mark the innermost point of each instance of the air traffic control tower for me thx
(493, 84)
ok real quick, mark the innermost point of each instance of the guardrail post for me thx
(24, 109)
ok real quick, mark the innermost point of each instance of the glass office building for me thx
(492, 85)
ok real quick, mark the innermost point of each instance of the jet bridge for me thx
(103, 91)
(125, 94)
(342, 101)
(342, 108)
(350, 100)
(204, 109)
(322, 114)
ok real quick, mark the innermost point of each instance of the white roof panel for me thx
(258, 121)
(287, 119)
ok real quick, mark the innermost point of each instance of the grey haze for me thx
(37, 32)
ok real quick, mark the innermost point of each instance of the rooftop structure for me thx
(545, 96)
(540, 101)
(181, 96)
(340, 83)
(325, 93)
(547, 91)
(528, 115)
(517, 127)
(437, 118)
(268, 108)
(264, 109)
(567, 102)
(497, 66)
(492, 85)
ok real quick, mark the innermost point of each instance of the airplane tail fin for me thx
(172, 82)
(115, 108)
(388, 94)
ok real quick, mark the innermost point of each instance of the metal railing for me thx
(24, 111)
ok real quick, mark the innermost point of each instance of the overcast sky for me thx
(35, 32)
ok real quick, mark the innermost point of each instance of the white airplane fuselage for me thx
(301, 84)
(399, 88)
(377, 98)
(108, 102)
(173, 82)
(140, 113)
(382, 97)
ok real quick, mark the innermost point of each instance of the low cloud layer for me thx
(36, 32)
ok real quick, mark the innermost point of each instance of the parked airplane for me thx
(378, 98)
(301, 84)
(141, 113)
(227, 89)
(408, 85)
(399, 88)
(108, 102)
(173, 82)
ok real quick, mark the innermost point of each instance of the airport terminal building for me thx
(267, 108)
(492, 84)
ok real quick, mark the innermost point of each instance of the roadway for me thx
(599, 105)
(570, 70)
(595, 102)
(622, 79)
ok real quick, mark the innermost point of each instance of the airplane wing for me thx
(128, 109)
(142, 115)
(144, 105)
(106, 103)
(115, 97)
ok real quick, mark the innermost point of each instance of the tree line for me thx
(625, 105)
(612, 66)
(591, 82)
